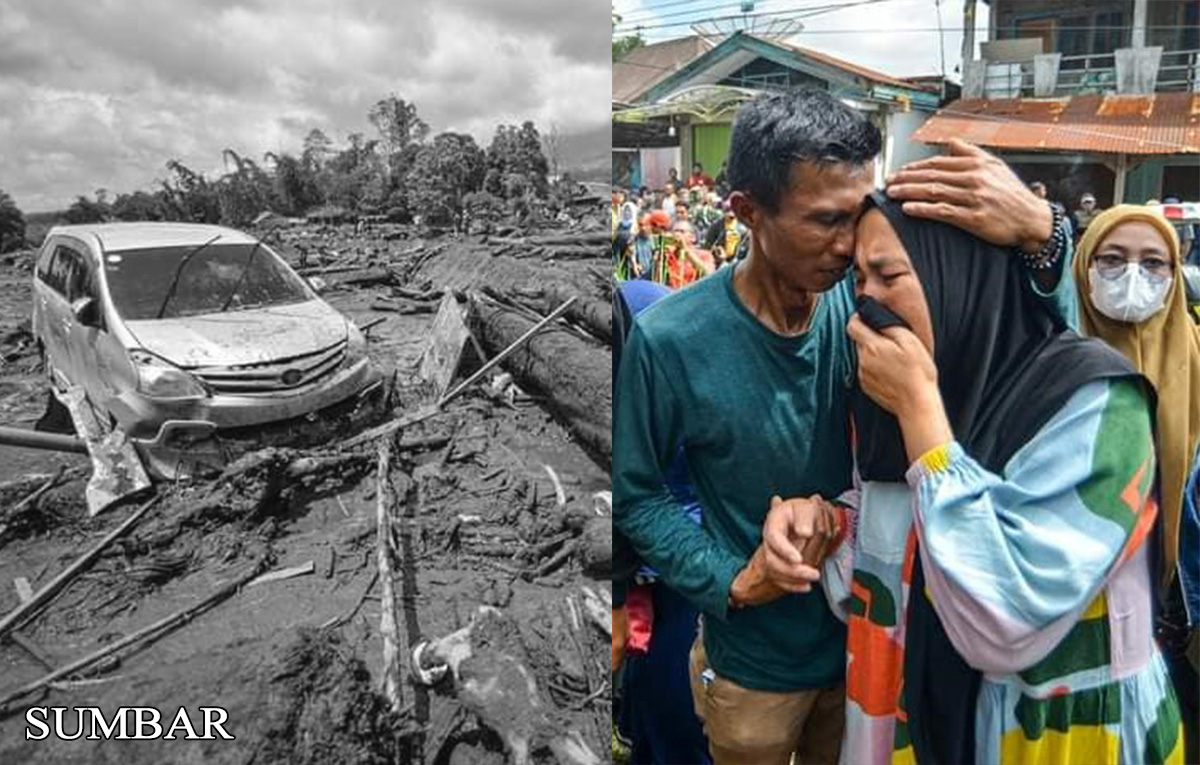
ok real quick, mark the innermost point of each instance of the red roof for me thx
(1163, 123)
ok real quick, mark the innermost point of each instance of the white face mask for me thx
(1131, 297)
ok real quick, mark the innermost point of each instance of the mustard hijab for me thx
(1166, 349)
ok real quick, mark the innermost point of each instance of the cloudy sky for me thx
(899, 37)
(101, 93)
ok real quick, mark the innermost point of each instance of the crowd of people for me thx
(913, 476)
(676, 235)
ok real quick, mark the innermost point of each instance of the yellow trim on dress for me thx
(937, 459)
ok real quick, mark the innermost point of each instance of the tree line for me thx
(401, 172)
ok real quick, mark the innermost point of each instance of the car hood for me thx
(255, 336)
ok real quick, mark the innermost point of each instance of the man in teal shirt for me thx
(748, 372)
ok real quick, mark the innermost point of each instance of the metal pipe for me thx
(33, 439)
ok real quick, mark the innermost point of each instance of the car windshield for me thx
(215, 279)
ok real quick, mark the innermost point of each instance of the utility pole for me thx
(1138, 39)
(968, 49)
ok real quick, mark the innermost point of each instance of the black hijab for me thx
(1005, 367)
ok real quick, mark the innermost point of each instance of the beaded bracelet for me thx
(1047, 257)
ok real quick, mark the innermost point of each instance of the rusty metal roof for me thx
(1163, 123)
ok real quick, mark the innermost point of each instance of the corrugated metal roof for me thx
(646, 66)
(1163, 123)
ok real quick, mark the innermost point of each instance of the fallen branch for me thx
(553, 564)
(338, 621)
(45, 594)
(179, 617)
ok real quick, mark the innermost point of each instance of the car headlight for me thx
(356, 344)
(159, 378)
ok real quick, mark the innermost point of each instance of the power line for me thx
(941, 35)
(793, 6)
(658, 6)
(794, 14)
(676, 14)
(808, 32)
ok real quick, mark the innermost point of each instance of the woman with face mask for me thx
(994, 564)
(1132, 296)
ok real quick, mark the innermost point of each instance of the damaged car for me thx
(181, 335)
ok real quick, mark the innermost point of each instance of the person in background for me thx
(1131, 291)
(698, 177)
(624, 230)
(656, 709)
(669, 200)
(725, 235)
(673, 178)
(1086, 212)
(688, 262)
(681, 213)
(704, 210)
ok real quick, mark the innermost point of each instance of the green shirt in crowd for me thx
(756, 414)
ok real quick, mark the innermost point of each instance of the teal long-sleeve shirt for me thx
(756, 414)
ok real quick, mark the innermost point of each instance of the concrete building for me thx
(1099, 96)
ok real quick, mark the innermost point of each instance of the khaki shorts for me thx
(746, 727)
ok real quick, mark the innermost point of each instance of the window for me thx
(1110, 32)
(1073, 40)
(60, 269)
(1189, 34)
(1043, 28)
(80, 280)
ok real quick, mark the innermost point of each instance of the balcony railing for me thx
(1079, 75)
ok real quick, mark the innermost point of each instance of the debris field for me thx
(427, 587)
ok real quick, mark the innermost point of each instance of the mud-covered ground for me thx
(298, 663)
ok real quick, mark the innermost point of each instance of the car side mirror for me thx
(317, 284)
(87, 312)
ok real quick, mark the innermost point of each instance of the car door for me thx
(56, 316)
(84, 343)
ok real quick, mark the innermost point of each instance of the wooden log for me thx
(363, 277)
(387, 616)
(574, 253)
(595, 315)
(581, 239)
(573, 375)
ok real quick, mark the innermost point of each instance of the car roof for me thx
(119, 237)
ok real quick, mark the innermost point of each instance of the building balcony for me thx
(1129, 71)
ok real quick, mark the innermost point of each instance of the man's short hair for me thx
(804, 125)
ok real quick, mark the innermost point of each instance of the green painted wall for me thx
(710, 147)
(1144, 182)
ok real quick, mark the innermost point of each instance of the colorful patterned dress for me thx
(1041, 580)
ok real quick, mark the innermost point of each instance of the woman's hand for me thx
(796, 540)
(897, 372)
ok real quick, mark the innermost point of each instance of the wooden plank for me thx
(444, 352)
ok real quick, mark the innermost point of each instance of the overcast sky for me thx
(101, 93)
(898, 37)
